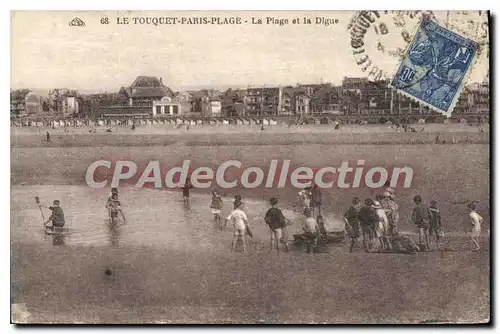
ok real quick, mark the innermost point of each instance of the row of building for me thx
(63, 102)
(149, 96)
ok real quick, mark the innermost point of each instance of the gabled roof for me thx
(145, 81)
(327, 91)
(183, 95)
(146, 87)
(211, 93)
(147, 91)
(301, 91)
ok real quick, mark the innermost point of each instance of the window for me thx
(158, 110)
(175, 110)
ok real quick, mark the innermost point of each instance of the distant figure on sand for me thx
(240, 222)
(476, 221)
(435, 222)
(185, 192)
(48, 136)
(420, 217)
(277, 226)
(57, 216)
(352, 222)
(216, 207)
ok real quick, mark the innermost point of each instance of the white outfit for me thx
(476, 221)
(382, 228)
(238, 217)
(306, 198)
(311, 224)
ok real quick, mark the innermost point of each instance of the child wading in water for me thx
(216, 207)
(57, 216)
(185, 192)
(115, 208)
(240, 222)
(114, 191)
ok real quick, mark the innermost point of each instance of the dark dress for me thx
(185, 190)
(367, 218)
(435, 220)
(420, 215)
(274, 219)
(352, 217)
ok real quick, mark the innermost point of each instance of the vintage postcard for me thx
(250, 167)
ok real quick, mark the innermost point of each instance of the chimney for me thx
(161, 81)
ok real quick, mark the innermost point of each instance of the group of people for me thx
(312, 227)
(56, 220)
(237, 216)
(375, 221)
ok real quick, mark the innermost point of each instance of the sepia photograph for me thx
(250, 167)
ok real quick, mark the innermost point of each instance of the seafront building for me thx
(354, 100)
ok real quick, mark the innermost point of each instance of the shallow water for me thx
(156, 218)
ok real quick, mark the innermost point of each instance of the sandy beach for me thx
(172, 265)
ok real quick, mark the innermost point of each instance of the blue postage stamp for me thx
(434, 67)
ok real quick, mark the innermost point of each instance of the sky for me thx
(46, 52)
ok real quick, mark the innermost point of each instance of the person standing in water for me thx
(115, 208)
(185, 192)
(216, 207)
(57, 216)
(240, 222)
